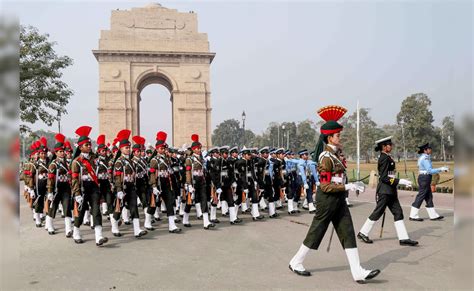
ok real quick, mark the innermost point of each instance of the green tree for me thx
(417, 120)
(448, 135)
(368, 131)
(43, 96)
(306, 136)
(228, 132)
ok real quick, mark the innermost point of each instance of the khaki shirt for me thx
(76, 166)
(194, 165)
(124, 172)
(330, 166)
(58, 169)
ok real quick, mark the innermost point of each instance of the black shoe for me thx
(92, 226)
(350, 205)
(69, 234)
(199, 217)
(150, 228)
(63, 216)
(437, 218)
(364, 238)
(140, 205)
(225, 214)
(275, 215)
(260, 217)
(87, 223)
(291, 212)
(102, 241)
(51, 232)
(181, 215)
(127, 222)
(187, 225)
(408, 242)
(108, 217)
(215, 220)
(79, 241)
(43, 218)
(176, 230)
(39, 225)
(301, 273)
(119, 222)
(415, 219)
(298, 211)
(279, 207)
(371, 275)
(237, 221)
(142, 233)
(163, 212)
(312, 212)
(177, 220)
(210, 225)
(118, 234)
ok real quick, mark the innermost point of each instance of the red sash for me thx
(88, 166)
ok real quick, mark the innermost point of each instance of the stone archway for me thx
(155, 45)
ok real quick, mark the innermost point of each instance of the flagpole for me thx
(358, 143)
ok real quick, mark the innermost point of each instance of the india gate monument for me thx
(155, 45)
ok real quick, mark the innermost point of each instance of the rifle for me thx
(214, 194)
(303, 192)
(282, 194)
(244, 198)
(55, 187)
(330, 239)
(383, 222)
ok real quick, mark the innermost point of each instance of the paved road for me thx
(253, 256)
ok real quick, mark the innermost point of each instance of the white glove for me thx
(360, 186)
(350, 187)
(404, 182)
(192, 195)
(246, 191)
(219, 191)
(255, 184)
(85, 177)
(50, 196)
(26, 189)
(444, 169)
(306, 186)
(120, 195)
(32, 194)
(78, 199)
(234, 185)
(156, 191)
(189, 187)
(318, 183)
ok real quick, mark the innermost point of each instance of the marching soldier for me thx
(29, 177)
(330, 200)
(387, 195)
(85, 187)
(41, 180)
(196, 183)
(222, 178)
(160, 182)
(425, 193)
(124, 174)
(264, 177)
(141, 178)
(279, 176)
(307, 174)
(248, 182)
(104, 176)
(214, 190)
(59, 188)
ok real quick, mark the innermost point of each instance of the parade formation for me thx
(123, 182)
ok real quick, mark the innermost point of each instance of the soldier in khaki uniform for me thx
(160, 181)
(196, 183)
(331, 206)
(141, 178)
(124, 173)
(104, 175)
(29, 175)
(59, 188)
(85, 187)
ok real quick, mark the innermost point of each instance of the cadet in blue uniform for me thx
(387, 195)
(426, 173)
(307, 176)
(331, 200)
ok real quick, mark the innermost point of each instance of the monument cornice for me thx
(104, 55)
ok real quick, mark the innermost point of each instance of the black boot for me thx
(301, 273)
(371, 275)
(364, 238)
(408, 242)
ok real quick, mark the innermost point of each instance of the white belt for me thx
(198, 173)
(224, 173)
(103, 176)
(163, 174)
(128, 178)
(423, 173)
(267, 173)
(42, 176)
(176, 169)
(86, 178)
(249, 175)
(63, 178)
(391, 176)
(140, 175)
(337, 180)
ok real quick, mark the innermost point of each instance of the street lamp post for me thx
(243, 127)
(283, 137)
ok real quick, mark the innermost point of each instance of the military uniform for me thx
(425, 177)
(248, 182)
(331, 202)
(387, 196)
(41, 180)
(265, 181)
(280, 182)
(85, 187)
(59, 187)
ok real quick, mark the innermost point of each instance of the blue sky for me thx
(281, 61)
